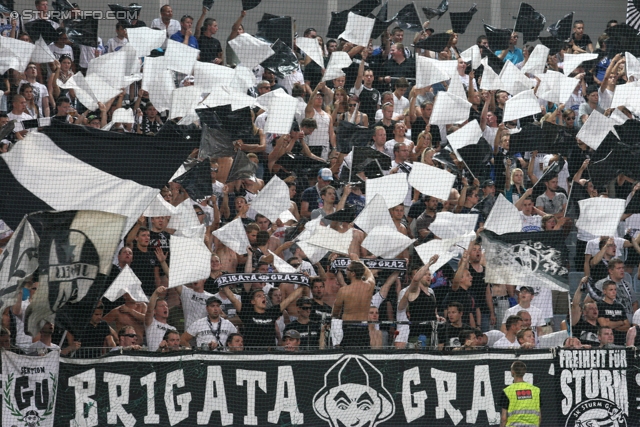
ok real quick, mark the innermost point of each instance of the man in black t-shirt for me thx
(586, 328)
(144, 261)
(612, 314)
(259, 322)
(318, 306)
(449, 333)
(306, 324)
(95, 337)
(363, 88)
(460, 292)
(210, 47)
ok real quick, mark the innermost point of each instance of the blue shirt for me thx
(514, 55)
(178, 37)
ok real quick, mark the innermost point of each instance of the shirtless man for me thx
(131, 313)
(353, 302)
(397, 213)
(229, 260)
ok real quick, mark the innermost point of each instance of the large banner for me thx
(578, 388)
(29, 389)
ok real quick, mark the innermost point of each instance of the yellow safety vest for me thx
(524, 405)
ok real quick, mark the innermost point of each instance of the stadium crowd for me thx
(357, 307)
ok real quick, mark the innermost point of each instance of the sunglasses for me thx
(129, 335)
(295, 265)
(305, 308)
(199, 213)
(352, 105)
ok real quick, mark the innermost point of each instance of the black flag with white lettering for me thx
(527, 259)
(74, 256)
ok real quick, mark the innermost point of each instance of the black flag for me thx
(197, 181)
(477, 157)
(41, 28)
(338, 24)
(75, 257)
(561, 30)
(529, 22)
(381, 24)
(407, 18)
(283, 62)
(250, 4)
(273, 27)
(371, 162)
(527, 259)
(242, 168)
(82, 31)
(435, 42)
(498, 38)
(494, 62)
(350, 135)
(215, 143)
(365, 7)
(431, 13)
(126, 14)
(460, 20)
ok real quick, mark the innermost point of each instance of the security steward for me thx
(520, 401)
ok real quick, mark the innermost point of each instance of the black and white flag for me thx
(62, 168)
(74, 255)
(18, 261)
(527, 259)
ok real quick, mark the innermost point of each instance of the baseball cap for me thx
(293, 334)
(488, 183)
(325, 174)
(212, 300)
(528, 289)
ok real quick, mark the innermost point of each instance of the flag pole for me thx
(570, 325)
(568, 198)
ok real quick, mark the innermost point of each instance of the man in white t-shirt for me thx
(194, 301)
(509, 340)
(116, 43)
(400, 103)
(524, 304)
(542, 299)
(211, 330)
(19, 112)
(530, 215)
(165, 23)
(62, 46)
(40, 92)
(44, 343)
(155, 320)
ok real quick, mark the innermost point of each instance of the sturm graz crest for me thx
(534, 256)
(596, 413)
(70, 267)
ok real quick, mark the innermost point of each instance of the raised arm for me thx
(203, 15)
(291, 298)
(148, 317)
(576, 311)
(226, 291)
(308, 111)
(236, 25)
